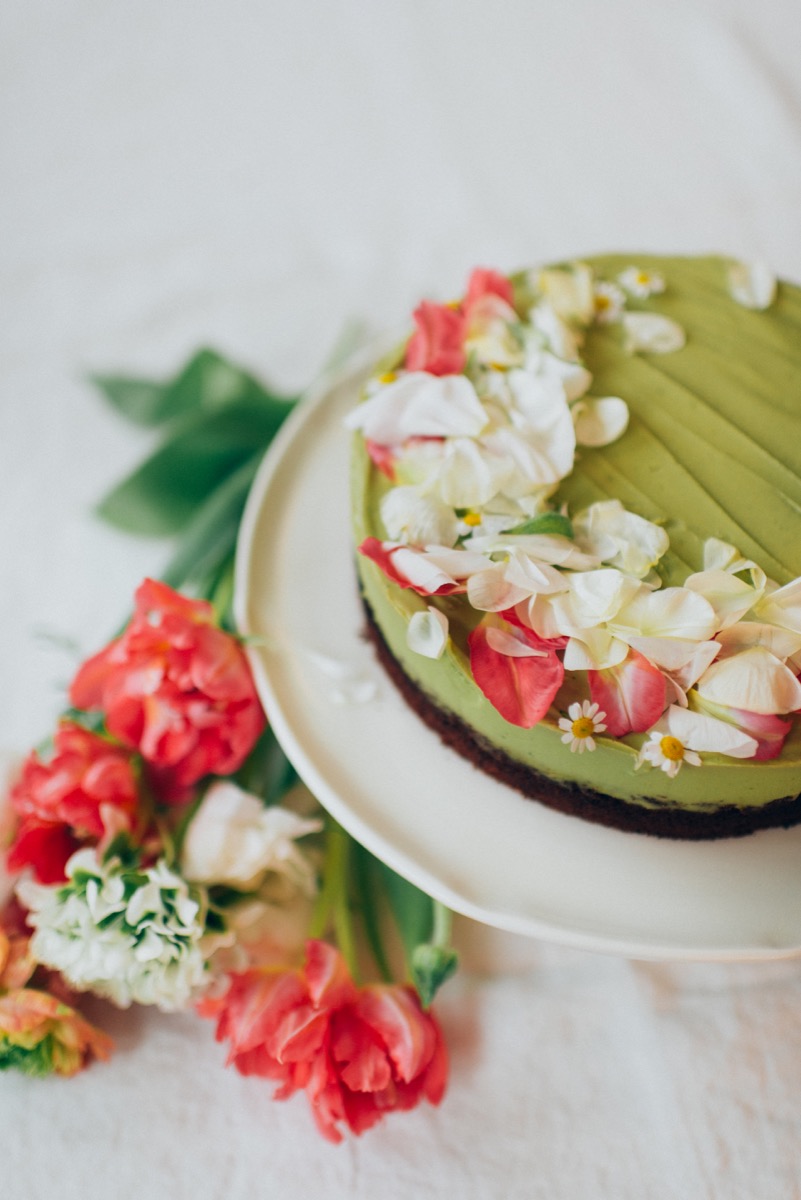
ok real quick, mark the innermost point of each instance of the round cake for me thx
(576, 498)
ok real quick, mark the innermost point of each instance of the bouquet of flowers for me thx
(163, 850)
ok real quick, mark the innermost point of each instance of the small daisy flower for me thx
(641, 283)
(609, 303)
(667, 752)
(582, 722)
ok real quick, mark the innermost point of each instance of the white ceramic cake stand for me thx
(474, 844)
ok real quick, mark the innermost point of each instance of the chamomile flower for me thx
(641, 283)
(609, 303)
(667, 752)
(582, 722)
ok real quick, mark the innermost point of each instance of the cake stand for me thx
(478, 846)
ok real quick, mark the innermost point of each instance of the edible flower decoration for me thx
(567, 611)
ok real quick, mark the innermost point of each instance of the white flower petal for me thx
(754, 680)
(417, 404)
(620, 538)
(599, 421)
(753, 285)
(512, 645)
(730, 596)
(421, 520)
(673, 612)
(492, 591)
(652, 333)
(697, 731)
(569, 291)
(427, 633)
(563, 341)
(783, 643)
(594, 650)
(782, 607)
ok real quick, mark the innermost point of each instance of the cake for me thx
(576, 499)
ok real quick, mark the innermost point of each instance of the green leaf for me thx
(412, 909)
(139, 400)
(207, 383)
(552, 522)
(210, 537)
(365, 869)
(431, 967)
(34, 1060)
(210, 382)
(163, 494)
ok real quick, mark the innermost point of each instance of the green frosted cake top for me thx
(665, 505)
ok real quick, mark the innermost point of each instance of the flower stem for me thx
(333, 902)
(443, 919)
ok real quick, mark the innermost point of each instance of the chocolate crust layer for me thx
(667, 822)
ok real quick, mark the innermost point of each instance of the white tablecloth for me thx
(253, 176)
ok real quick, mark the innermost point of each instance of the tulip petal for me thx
(632, 695)
(521, 689)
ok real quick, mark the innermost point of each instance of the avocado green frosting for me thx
(713, 449)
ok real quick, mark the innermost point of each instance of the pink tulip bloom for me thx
(175, 687)
(85, 790)
(358, 1053)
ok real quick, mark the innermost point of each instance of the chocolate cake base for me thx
(664, 821)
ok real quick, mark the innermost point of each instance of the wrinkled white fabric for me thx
(254, 176)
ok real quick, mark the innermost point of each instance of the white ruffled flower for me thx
(582, 722)
(641, 283)
(127, 934)
(234, 839)
(610, 301)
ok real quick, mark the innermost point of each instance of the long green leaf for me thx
(210, 537)
(139, 400)
(412, 909)
(207, 383)
(162, 495)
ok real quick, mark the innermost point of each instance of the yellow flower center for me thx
(672, 749)
(583, 727)
(472, 518)
(602, 302)
(387, 377)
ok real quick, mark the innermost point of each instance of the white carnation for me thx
(129, 934)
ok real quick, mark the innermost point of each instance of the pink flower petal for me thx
(633, 695)
(521, 689)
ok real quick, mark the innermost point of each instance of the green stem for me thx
(363, 876)
(443, 919)
(333, 902)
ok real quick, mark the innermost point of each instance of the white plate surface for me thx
(476, 845)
